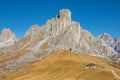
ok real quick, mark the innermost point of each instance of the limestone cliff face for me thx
(7, 38)
(60, 33)
(117, 47)
(114, 43)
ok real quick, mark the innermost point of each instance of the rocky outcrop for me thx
(60, 33)
(114, 43)
(7, 38)
(117, 47)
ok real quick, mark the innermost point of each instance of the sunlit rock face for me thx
(60, 33)
(7, 38)
(117, 47)
(114, 43)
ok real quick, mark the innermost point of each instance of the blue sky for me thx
(97, 16)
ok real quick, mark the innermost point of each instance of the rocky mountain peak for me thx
(6, 32)
(64, 14)
(114, 43)
(60, 33)
(7, 37)
(105, 36)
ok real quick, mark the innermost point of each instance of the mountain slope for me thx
(67, 65)
(59, 33)
(114, 43)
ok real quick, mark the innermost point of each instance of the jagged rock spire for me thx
(64, 13)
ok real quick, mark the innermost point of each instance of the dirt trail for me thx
(115, 74)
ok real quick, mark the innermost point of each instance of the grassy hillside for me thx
(67, 65)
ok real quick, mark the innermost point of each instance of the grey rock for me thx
(114, 43)
(60, 33)
(7, 38)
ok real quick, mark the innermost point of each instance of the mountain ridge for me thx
(59, 33)
(112, 42)
(7, 38)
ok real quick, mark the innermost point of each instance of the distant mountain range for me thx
(59, 33)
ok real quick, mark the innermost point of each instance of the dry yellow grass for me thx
(66, 65)
(1, 58)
